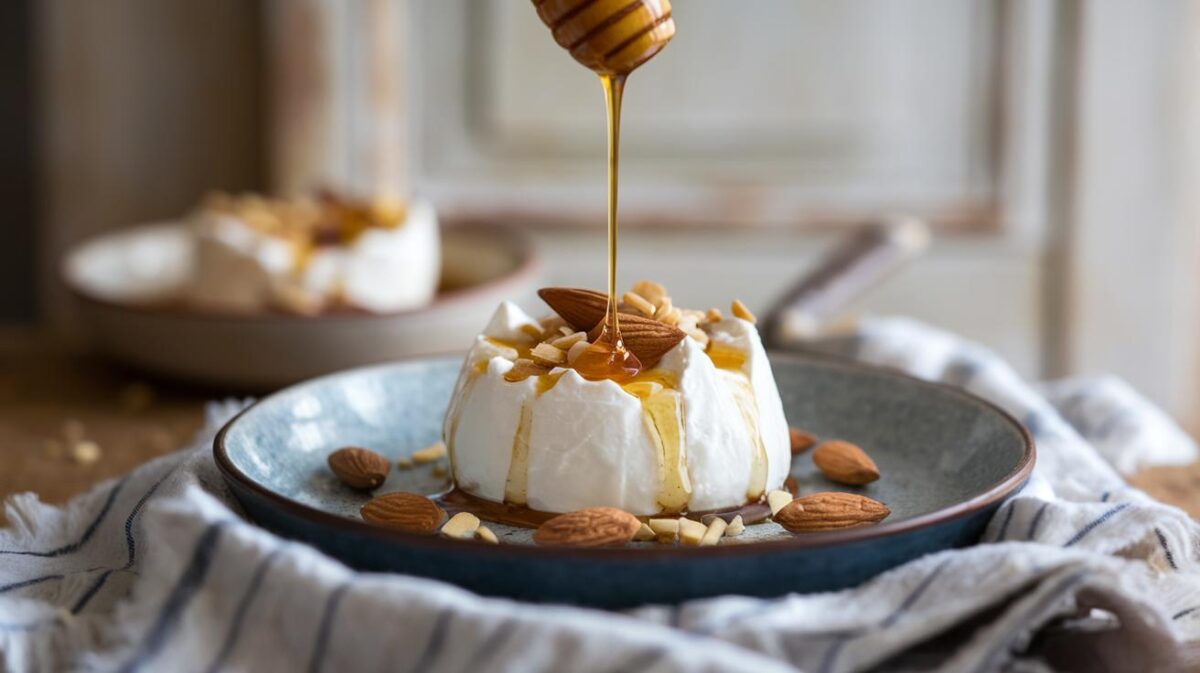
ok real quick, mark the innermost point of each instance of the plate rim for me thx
(997, 493)
(528, 264)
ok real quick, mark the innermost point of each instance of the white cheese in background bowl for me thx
(132, 288)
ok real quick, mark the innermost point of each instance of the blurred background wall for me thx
(1053, 145)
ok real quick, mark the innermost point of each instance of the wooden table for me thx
(52, 401)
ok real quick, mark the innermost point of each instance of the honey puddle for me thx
(456, 500)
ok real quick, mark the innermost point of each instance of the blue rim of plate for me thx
(997, 493)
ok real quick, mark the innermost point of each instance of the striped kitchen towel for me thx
(158, 571)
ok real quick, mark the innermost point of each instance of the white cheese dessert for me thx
(305, 256)
(700, 429)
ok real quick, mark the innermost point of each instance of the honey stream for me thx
(607, 357)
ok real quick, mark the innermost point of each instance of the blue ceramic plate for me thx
(948, 460)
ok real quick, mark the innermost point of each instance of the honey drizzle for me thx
(732, 360)
(516, 486)
(662, 410)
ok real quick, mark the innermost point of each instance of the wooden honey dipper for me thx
(611, 37)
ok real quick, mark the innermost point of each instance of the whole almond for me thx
(845, 463)
(649, 339)
(592, 527)
(801, 441)
(359, 468)
(409, 512)
(581, 308)
(830, 511)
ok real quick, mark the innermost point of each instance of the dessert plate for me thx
(948, 460)
(125, 283)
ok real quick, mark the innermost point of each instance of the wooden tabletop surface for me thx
(69, 421)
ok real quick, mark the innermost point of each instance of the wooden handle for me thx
(612, 37)
(866, 257)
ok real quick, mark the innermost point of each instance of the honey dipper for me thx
(611, 37)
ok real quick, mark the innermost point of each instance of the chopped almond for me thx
(565, 342)
(546, 354)
(429, 454)
(667, 530)
(664, 307)
(714, 315)
(691, 532)
(461, 525)
(650, 290)
(735, 527)
(639, 303)
(739, 310)
(777, 499)
(716, 529)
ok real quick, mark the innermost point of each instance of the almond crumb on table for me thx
(69, 421)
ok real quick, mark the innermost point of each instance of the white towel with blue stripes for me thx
(158, 572)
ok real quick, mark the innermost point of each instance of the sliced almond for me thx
(534, 331)
(484, 533)
(699, 335)
(462, 526)
(691, 532)
(739, 310)
(652, 291)
(735, 527)
(640, 303)
(523, 368)
(566, 341)
(664, 307)
(830, 511)
(672, 317)
(359, 468)
(716, 529)
(551, 324)
(591, 527)
(429, 454)
(577, 349)
(409, 512)
(777, 499)
(666, 530)
(801, 441)
(644, 534)
(845, 463)
(545, 354)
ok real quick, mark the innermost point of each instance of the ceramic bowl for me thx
(948, 460)
(124, 283)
